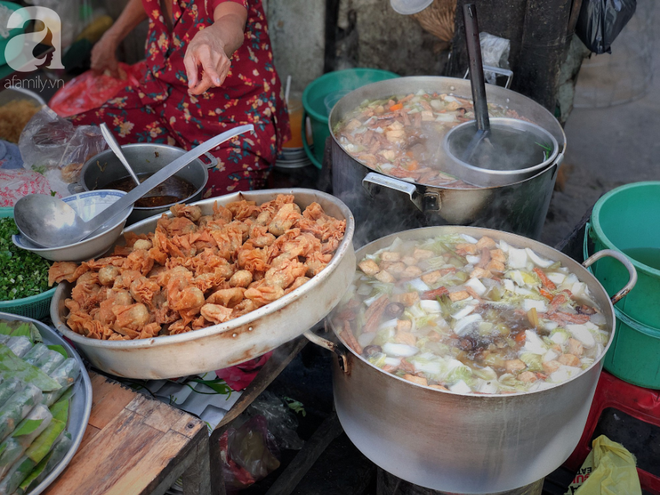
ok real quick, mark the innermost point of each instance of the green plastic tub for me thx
(628, 218)
(321, 95)
(36, 307)
(633, 355)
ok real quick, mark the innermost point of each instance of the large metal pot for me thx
(145, 158)
(235, 341)
(383, 204)
(467, 443)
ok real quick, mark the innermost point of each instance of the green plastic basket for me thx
(36, 307)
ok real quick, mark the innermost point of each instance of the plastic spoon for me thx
(49, 222)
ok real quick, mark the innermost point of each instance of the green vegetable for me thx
(23, 273)
(46, 465)
(533, 361)
(60, 410)
(26, 427)
(13, 366)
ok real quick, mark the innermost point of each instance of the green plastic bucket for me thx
(320, 96)
(633, 354)
(625, 218)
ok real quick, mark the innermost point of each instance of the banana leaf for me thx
(27, 431)
(19, 328)
(35, 453)
(46, 465)
(20, 346)
(9, 387)
(18, 407)
(60, 410)
(65, 375)
(14, 367)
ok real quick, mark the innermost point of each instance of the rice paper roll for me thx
(47, 464)
(65, 375)
(34, 454)
(12, 366)
(19, 345)
(18, 407)
(49, 361)
(25, 433)
(34, 354)
(8, 388)
(3, 338)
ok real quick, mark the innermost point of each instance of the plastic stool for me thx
(640, 403)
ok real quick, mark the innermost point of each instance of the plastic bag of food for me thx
(601, 21)
(90, 90)
(609, 469)
(53, 146)
(249, 453)
(282, 421)
(495, 53)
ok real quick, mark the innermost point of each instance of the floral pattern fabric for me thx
(160, 109)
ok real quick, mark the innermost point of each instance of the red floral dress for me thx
(161, 110)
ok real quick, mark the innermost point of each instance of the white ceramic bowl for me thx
(87, 204)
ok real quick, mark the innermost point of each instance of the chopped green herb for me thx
(23, 273)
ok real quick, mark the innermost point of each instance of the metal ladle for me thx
(49, 222)
(116, 149)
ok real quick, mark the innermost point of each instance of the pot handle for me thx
(213, 161)
(624, 260)
(332, 347)
(373, 179)
(306, 145)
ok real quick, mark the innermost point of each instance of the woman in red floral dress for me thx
(209, 68)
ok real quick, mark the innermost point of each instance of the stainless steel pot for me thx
(237, 340)
(145, 158)
(467, 443)
(383, 204)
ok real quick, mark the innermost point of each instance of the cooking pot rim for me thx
(197, 191)
(561, 144)
(496, 234)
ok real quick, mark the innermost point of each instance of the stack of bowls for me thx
(627, 219)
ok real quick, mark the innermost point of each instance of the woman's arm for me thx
(104, 56)
(211, 49)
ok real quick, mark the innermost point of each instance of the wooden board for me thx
(134, 445)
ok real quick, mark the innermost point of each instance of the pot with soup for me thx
(468, 357)
(388, 157)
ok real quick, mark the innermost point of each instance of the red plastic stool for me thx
(640, 403)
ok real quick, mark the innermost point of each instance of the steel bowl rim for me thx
(360, 253)
(344, 246)
(503, 173)
(144, 145)
(121, 222)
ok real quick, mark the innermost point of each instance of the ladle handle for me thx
(162, 175)
(476, 66)
(116, 149)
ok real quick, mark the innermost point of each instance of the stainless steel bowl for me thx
(237, 340)
(145, 158)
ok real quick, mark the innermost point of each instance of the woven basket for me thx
(36, 307)
(438, 19)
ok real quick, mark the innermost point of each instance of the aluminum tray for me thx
(81, 400)
(235, 341)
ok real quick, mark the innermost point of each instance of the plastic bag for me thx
(16, 183)
(89, 90)
(282, 421)
(240, 376)
(609, 469)
(601, 21)
(494, 52)
(249, 453)
(56, 148)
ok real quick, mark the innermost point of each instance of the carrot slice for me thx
(547, 283)
(546, 294)
(396, 107)
(430, 295)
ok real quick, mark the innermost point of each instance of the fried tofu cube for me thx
(575, 347)
(385, 277)
(527, 376)
(369, 267)
(551, 366)
(405, 338)
(459, 295)
(495, 266)
(569, 360)
(466, 248)
(390, 256)
(513, 365)
(403, 325)
(432, 278)
(411, 272)
(422, 254)
(419, 380)
(480, 273)
(439, 387)
(497, 255)
(407, 298)
(396, 269)
(486, 242)
(409, 260)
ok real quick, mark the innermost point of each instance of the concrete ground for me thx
(607, 147)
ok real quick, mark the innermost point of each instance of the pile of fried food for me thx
(199, 270)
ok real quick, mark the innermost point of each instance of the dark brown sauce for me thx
(173, 190)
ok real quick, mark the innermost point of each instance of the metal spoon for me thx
(49, 222)
(116, 149)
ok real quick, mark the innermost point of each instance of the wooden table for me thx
(136, 445)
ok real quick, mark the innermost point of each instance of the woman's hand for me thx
(104, 58)
(206, 51)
